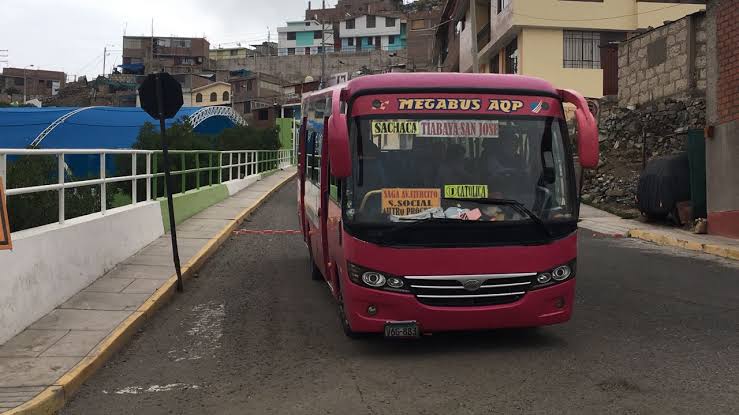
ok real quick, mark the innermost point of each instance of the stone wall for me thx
(664, 122)
(667, 61)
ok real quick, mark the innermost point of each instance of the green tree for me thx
(37, 209)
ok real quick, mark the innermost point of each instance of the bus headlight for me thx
(558, 274)
(544, 278)
(369, 278)
(561, 273)
(374, 279)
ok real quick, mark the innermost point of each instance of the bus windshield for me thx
(424, 168)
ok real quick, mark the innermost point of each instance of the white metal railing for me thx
(236, 165)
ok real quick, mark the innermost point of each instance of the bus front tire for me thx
(345, 326)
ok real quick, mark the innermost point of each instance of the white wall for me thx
(361, 29)
(50, 264)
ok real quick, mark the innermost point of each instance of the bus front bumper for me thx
(545, 306)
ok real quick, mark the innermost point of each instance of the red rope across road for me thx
(266, 232)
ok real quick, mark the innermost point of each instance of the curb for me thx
(53, 398)
(668, 240)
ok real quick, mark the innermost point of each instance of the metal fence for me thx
(190, 170)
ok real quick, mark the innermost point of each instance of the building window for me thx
(199, 97)
(371, 21)
(250, 85)
(234, 52)
(389, 22)
(213, 97)
(369, 41)
(320, 49)
(502, 4)
(181, 43)
(391, 40)
(350, 24)
(263, 115)
(226, 96)
(290, 51)
(307, 51)
(581, 49)
(290, 35)
(511, 57)
(418, 24)
(350, 41)
(318, 34)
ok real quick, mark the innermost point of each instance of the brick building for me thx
(256, 95)
(421, 31)
(146, 54)
(722, 107)
(32, 83)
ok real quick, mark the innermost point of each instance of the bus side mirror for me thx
(587, 142)
(338, 146)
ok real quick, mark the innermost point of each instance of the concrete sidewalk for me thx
(44, 365)
(608, 224)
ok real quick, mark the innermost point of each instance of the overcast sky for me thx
(69, 35)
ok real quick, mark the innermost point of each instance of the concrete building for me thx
(722, 108)
(216, 93)
(230, 53)
(305, 38)
(564, 42)
(17, 82)
(255, 91)
(372, 32)
(142, 54)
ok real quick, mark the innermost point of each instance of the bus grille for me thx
(470, 290)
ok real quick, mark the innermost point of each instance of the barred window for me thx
(581, 49)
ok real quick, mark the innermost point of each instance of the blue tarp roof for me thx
(98, 127)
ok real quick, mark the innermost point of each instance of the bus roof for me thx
(462, 81)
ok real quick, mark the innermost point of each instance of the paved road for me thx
(653, 333)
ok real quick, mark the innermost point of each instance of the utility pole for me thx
(25, 83)
(323, 54)
(105, 55)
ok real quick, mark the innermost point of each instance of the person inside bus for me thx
(452, 170)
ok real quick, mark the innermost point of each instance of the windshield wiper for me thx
(515, 204)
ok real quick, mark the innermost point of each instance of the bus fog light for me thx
(373, 279)
(395, 282)
(544, 278)
(561, 273)
(372, 310)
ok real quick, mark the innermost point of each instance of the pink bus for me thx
(440, 201)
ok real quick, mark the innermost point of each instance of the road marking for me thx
(135, 390)
(266, 232)
(206, 332)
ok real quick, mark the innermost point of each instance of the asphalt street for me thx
(655, 331)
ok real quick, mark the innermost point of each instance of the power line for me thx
(598, 18)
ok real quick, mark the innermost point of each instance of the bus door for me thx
(316, 175)
(302, 177)
(323, 199)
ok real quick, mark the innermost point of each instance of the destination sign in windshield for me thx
(437, 128)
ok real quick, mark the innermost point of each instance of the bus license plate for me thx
(402, 330)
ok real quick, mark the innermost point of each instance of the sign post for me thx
(161, 97)
(5, 242)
